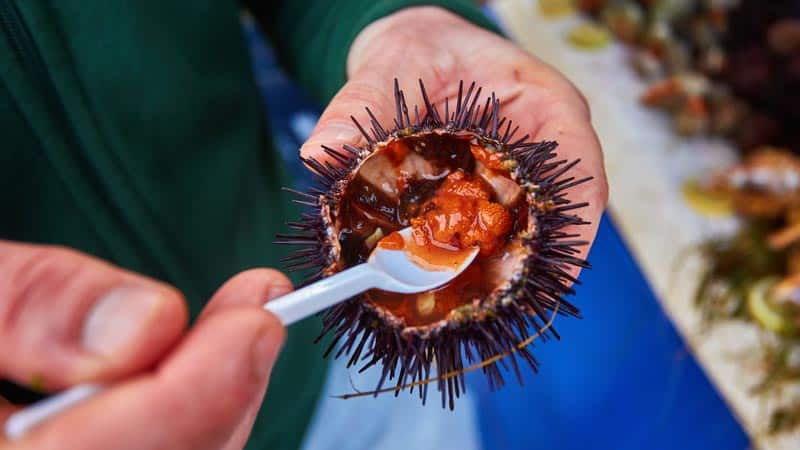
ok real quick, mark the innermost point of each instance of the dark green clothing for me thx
(133, 131)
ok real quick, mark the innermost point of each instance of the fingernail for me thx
(118, 318)
(336, 134)
(278, 291)
(265, 350)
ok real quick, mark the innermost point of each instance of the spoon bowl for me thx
(390, 270)
(406, 275)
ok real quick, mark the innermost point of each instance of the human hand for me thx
(440, 48)
(67, 318)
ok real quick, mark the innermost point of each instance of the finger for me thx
(533, 94)
(67, 318)
(195, 400)
(6, 409)
(548, 107)
(373, 64)
(391, 48)
(336, 128)
(563, 116)
(242, 432)
(252, 287)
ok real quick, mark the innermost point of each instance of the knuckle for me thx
(441, 75)
(598, 188)
(572, 99)
(358, 94)
(582, 104)
(58, 256)
(37, 273)
(603, 192)
(555, 86)
(50, 266)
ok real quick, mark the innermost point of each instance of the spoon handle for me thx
(327, 292)
(22, 421)
(290, 308)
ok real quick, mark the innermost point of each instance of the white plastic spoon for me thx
(389, 270)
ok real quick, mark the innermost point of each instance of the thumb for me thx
(204, 395)
(252, 287)
(337, 126)
(67, 318)
(373, 64)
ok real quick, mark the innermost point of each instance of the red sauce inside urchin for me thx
(455, 194)
(459, 215)
(393, 241)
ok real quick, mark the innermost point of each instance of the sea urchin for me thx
(459, 179)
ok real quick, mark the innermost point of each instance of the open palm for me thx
(442, 49)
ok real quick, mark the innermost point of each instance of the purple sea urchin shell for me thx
(486, 327)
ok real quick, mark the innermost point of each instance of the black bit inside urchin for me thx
(494, 326)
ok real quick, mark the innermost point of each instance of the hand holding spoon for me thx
(387, 269)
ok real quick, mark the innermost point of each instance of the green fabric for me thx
(312, 37)
(160, 161)
(171, 175)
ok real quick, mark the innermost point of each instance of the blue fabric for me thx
(619, 379)
(387, 422)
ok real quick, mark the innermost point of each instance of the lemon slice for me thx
(763, 311)
(589, 36)
(556, 9)
(706, 202)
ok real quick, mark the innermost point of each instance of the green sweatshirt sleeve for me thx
(312, 37)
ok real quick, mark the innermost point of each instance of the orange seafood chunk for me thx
(493, 224)
(394, 241)
(458, 185)
(460, 215)
(492, 160)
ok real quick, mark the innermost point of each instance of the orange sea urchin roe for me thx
(492, 160)
(393, 241)
(460, 215)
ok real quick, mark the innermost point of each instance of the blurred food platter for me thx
(651, 170)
